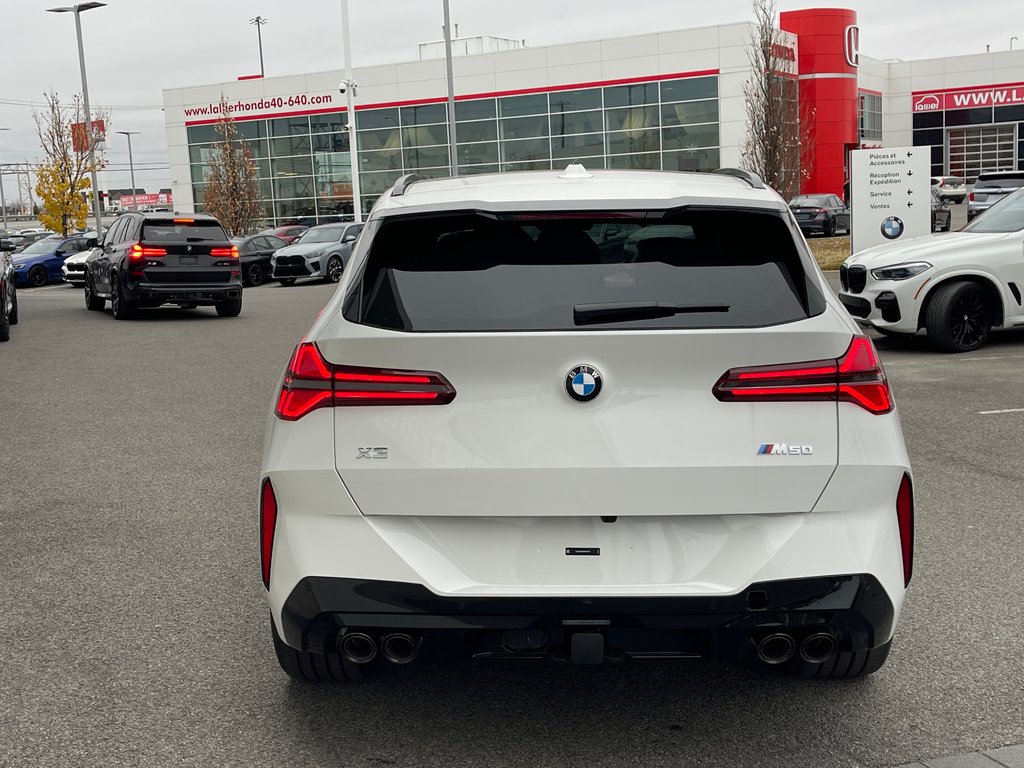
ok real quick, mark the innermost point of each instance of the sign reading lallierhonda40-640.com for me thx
(891, 195)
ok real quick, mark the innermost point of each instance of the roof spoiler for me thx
(751, 178)
(404, 182)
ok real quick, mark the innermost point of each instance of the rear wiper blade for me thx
(621, 311)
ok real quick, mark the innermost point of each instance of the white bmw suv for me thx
(958, 286)
(508, 435)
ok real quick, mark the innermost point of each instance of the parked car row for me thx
(8, 290)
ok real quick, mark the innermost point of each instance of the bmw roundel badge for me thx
(583, 383)
(892, 227)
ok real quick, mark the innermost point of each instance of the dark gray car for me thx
(826, 214)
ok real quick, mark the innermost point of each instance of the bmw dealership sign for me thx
(890, 195)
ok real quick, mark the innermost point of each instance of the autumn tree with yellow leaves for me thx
(63, 178)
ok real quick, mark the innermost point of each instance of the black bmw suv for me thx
(149, 259)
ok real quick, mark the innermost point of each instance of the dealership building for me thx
(669, 100)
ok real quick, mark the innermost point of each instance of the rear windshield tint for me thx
(182, 231)
(1008, 182)
(551, 272)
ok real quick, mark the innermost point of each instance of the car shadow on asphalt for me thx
(548, 714)
(999, 342)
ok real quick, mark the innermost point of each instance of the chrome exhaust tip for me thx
(818, 648)
(399, 648)
(776, 649)
(357, 647)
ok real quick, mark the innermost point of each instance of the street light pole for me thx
(259, 21)
(350, 115)
(452, 157)
(131, 165)
(90, 139)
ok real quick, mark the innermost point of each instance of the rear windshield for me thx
(554, 272)
(810, 200)
(1007, 215)
(1007, 182)
(182, 231)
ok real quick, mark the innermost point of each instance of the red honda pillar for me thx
(827, 58)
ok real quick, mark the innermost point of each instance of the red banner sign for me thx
(966, 98)
(79, 142)
(135, 201)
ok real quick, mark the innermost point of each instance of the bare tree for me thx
(774, 145)
(232, 189)
(63, 178)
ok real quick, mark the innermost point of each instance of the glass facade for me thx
(869, 117)
(967, 142)
(304, 162)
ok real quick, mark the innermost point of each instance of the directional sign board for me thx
(891, 195)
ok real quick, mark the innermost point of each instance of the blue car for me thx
(40, 262)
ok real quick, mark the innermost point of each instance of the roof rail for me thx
(751, 178)
(404, 182)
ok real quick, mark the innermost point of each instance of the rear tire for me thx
(13, 317)
(286, 281)
(5, 325)
(229, 308)
(120, 307)
(255, 275)
(828, 229)
(959, 317)
(93, 302)
(308, 667)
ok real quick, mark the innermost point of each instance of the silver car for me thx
(320, 252)
(991, 188)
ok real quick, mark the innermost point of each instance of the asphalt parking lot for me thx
(135, 630)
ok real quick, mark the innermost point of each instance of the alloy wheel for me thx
(969, 320)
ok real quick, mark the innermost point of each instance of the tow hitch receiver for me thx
(587, 648)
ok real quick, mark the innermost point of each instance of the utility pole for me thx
(131, 165)
(259, 21)
(350, 114)
(453, 158)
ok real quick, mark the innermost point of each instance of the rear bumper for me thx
(854, 607)
(148, 293)
(810, 227)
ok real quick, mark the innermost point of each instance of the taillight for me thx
(230, 253)
(971, 197)
(140, 252)
(311, 382)
(268, 521)
(856, 377)
(905, 516)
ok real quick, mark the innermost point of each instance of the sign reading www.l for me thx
(965, 98)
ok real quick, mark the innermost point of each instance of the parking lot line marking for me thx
(1004, 410)
(986, 357)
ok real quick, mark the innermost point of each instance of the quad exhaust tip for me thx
(817, 648)
(399, 648)
(357, 647)
(776, 649)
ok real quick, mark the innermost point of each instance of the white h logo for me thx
(851, 40)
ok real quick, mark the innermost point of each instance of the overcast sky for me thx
(135, 48)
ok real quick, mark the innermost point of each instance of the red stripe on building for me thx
(466, 96)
